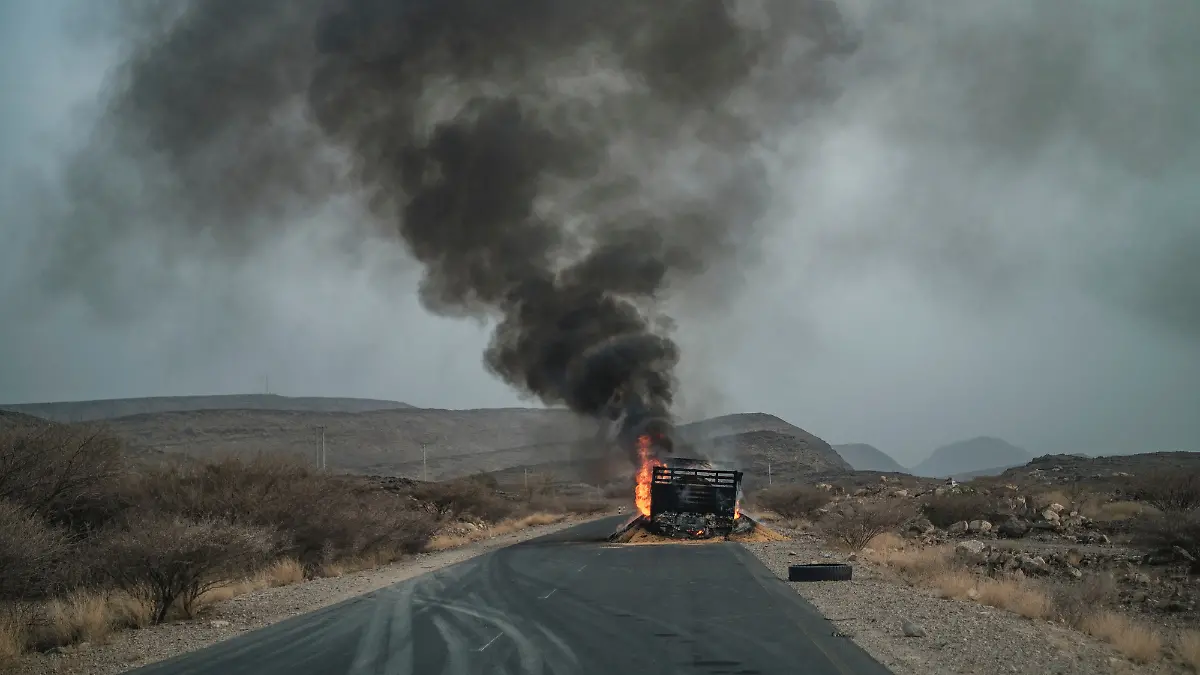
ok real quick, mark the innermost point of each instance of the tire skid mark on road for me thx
(379, 633)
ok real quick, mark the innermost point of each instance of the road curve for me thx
(568, 603)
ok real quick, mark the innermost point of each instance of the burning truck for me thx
(676, 497)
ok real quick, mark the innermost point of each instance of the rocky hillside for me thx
(87, 411)
(984, 455)
(865, 457)
(752, 441)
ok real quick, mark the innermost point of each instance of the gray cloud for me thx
(991, 229)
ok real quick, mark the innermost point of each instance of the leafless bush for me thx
(1169, 490)
(793, 500)
(320, 518)
(1165, 531)
(176, 560)
(855, 528)
(29, 550)
(64, 473)
(948, 509)
(466, 497)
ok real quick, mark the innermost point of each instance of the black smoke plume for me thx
(558, 167)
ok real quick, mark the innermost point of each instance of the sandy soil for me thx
(960, 637)
(131, 649)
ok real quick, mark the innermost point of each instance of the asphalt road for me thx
(567, 603)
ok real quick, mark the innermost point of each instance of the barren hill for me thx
(461, 442)
(752, 441)
(982, 455)
(87, 411)
(865, 457)
(381, 441)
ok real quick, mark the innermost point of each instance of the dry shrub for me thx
(284, 572)
(130, 609)
(320, 518)
(1136, 641)
(1164, 531)
(14, 634)
(30, 549)
(917, 566)
(466, 497)
(1015, 595)
(953, 582)
(63, 473)
(792, 501)
(888, 541)
(1075, 602)
(1169, 490)
(1120, 510)
(854, 530)
(948, 509)
(176, 561)
(81, 616)
(1188, 647)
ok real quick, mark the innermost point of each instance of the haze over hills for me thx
(980, 456)
(102, 409)
(457, 442)
(864, 457)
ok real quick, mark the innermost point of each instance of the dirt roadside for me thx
(131, 649)
(946, 637)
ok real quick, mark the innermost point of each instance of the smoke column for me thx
(557, 167)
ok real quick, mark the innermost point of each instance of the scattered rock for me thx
(912, 630)
(958, 528)
(218, 623)
(979, 526)
(1013, 528)
(1050, 516)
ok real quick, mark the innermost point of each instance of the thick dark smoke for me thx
(558, 167)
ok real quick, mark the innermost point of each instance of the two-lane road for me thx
(568, 603)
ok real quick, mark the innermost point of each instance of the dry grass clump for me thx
(1016, 596)
(14, 635)
(1119, 510)
(448, 541)
(1187, 645)
(1136, 641)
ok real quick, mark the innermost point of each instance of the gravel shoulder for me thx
(132, 649)
(960, 637)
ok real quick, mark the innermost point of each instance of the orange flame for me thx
(646, 463)
(737, 510)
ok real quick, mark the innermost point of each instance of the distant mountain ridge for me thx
(104, 409)
(864, 457)
(983, 455)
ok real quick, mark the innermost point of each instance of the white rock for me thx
(972, 548)
(1056, 507)
(1050, 515)
(979, 526)
(912, 630)
(218, 623)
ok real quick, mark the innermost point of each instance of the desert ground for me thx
(1075, 564)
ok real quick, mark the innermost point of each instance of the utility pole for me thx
(769, 473)
(527, 480)
(424, 464)
(321, 456)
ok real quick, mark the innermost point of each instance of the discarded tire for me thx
(820, 572)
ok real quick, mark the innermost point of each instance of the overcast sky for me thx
(994, 231)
